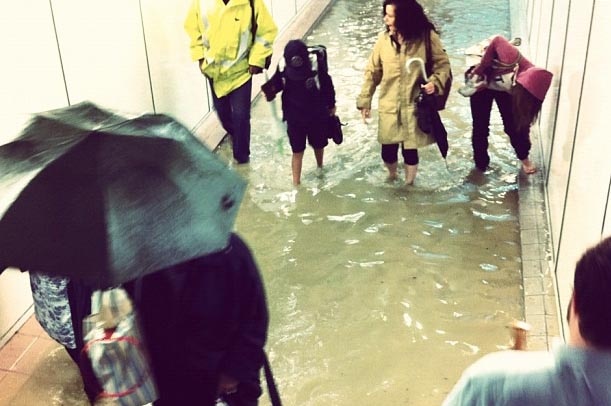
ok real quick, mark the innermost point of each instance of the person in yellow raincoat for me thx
(221, 33)
(406, 29)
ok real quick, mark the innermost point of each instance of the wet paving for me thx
(381, 293)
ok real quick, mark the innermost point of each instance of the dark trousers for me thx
(389, 154)
(481, 107)
(233, 110)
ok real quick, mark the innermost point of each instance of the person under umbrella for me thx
(107, 200)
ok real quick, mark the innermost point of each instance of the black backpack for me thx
(320, 51)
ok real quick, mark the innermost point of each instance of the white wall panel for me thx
(591, 166)
(569, 108)
(282, 11)
(179, 88)
(541, 39)
(30, 81)
(300, 3)
(102, 48)
(30, 73)
(15, 300)
(555, 59)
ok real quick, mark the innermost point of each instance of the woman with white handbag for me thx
(517, 86)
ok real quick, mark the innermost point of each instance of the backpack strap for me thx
(253, 20)
(271, 384)
(428, 63)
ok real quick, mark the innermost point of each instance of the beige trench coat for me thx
(386, 71)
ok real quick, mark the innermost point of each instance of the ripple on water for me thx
(347, 218)
(489, 267)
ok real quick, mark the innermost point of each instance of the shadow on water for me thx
(378, 293)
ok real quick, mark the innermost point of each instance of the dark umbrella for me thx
(430, 122)
(427, 113)
(92, 195)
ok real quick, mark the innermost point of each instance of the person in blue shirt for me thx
(575, 374)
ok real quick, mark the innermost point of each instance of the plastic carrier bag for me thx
(115, 350)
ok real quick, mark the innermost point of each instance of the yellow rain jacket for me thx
(221, 38)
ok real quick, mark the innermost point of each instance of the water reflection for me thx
(382, 294)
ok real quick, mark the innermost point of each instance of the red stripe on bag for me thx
(132, 340)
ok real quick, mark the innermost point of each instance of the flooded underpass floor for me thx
(381, 293)
(378, 293)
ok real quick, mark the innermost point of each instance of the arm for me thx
(499, 50)
(328, 93)
(373, 77)
(264, 36)
(196, 44)
(441, 70)
(273, 86)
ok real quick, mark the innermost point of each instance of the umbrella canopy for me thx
(92, 195)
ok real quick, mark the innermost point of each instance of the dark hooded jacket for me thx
(307, 90)
(202, 318)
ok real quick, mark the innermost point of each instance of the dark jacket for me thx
(202, 318)
(302, 100)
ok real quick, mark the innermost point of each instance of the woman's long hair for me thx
(410, 20)
(525, 107)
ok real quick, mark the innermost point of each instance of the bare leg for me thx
(392, 171)
(410, 174)
(319, 154)
(528, 167)
(296, 163)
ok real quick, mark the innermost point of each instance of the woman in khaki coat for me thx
(406, 29)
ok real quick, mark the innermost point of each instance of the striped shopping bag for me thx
(115, 351)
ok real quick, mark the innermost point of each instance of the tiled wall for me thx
(569, 39)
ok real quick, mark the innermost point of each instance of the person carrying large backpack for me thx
(308, 101)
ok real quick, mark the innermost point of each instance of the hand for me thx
(429, 88)
(332, 111)
(519, 331)
(227, 385)
(254, 70)
(366, 114)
